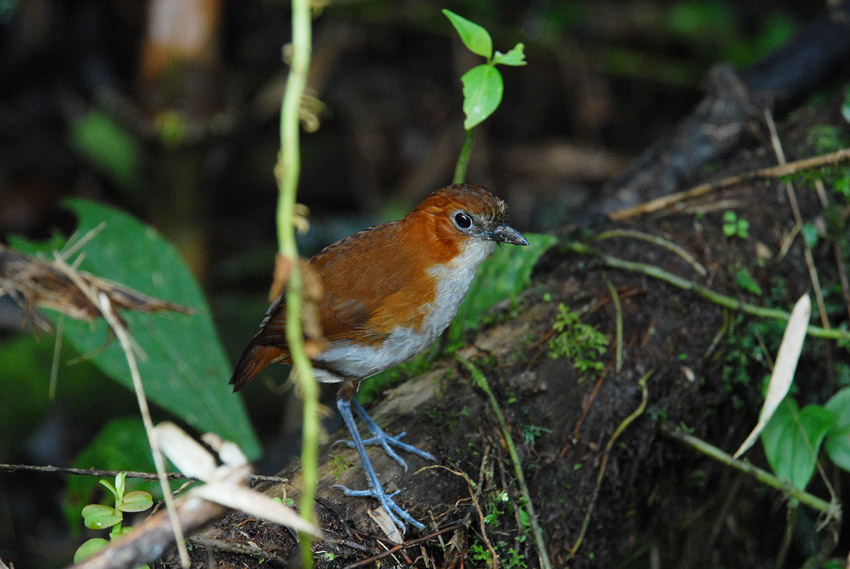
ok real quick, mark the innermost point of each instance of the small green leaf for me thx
(837, 446)
(120, 485)
(837, 442)
(792, 439)
(97, 516)
(810, 234)
(109, 147)
(482, 93)
(845, 107)
(474, 37)
(746, 281)
(112, 489)
(514, 57)
(137, 501)
(89, 548)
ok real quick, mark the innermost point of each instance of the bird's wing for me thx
(358, 275)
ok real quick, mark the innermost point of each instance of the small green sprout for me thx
(482, 85)
(734, 227)
(99, 516)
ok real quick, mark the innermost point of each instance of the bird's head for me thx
(462, 214)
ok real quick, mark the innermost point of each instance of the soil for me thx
(659, 502)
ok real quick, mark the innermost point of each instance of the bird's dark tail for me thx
(253, 359)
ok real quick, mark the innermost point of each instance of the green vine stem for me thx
(287, 172)
(832, 509)
(715, 297)
(618, 312)
(463, 158)
(536, 533)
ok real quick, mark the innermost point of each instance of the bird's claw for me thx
(379, 436)
(396, 512)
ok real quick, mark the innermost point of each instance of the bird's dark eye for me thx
(462, 220)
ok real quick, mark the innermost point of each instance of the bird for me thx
(388, 292)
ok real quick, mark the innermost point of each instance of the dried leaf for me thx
(32, 282)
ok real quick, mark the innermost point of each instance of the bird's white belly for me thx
(453, 281)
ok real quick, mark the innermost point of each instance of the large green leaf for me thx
(186, 369)
(792, 439)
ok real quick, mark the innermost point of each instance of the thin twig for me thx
(104, 305)
(112, 473)
(403, 546)
(703, 189)
(536, 532)
(620, 428)
(482, 527)
(685, 284)
(798, 219)
(618, 319)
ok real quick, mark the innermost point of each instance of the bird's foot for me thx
(380, 437)
(396, 512)
(375, 490)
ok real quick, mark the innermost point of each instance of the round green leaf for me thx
(837, 446)
(137, 501)
(837, 443)
(839, 406)
(474, 37)
(97, 516)
(482, 93)
(792, 439)
(89, 548)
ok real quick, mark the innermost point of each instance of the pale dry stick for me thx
(72, 247)
(798, 219)
(101, 300)
(703, 189)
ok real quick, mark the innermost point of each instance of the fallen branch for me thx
(762, 174)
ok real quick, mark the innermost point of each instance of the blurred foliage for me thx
(111, 148)
(185, 369)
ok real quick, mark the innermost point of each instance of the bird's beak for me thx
(507, 234)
